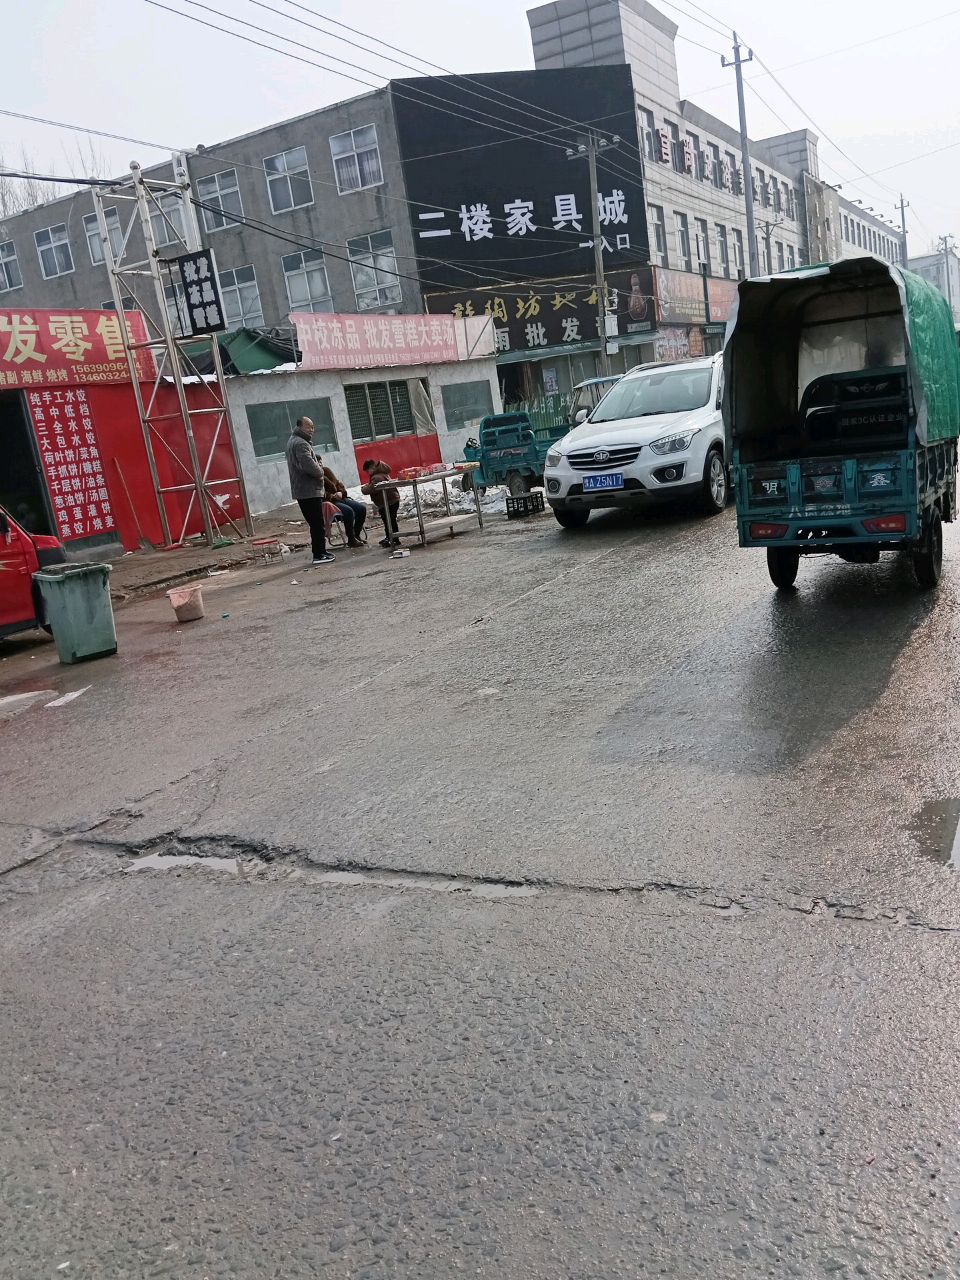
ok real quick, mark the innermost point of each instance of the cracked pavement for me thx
(540, 905)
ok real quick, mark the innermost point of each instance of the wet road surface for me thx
(645, 959)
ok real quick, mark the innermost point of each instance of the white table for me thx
(450, 522)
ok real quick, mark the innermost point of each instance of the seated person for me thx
(354, 512)
(385, 497)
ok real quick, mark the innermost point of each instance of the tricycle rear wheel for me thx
(783, 565)
(928, 561)
(517, 484)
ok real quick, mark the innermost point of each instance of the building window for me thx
(379, 410)
(682, 226)
(308, 288)
(176, 304)
(241, 298)
(374, 266)
(271, 425)
(763, 188)
(716, 171)
(647, 130)
(791, 258)
(10, 277)
(781, 261)
(356, 159)
(846, 227)
(288, 180)
(465, 403)
(860, 235)
(777, 197)
(692, 156)
(222, 193)
(676, 146)
(92, 232)
(53, 248)
(703, 244)
(167, 220)
(126, 302)
(659, 235)
(738, 253)
(723, 250)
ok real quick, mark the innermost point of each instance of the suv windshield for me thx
(673, 391)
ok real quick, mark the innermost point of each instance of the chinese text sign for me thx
(44, 348)
(70, 457)
(369, 342)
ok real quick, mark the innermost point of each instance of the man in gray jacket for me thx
(307, 486)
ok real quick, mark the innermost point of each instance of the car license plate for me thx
(612, 480)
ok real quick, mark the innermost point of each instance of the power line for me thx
(830, 53)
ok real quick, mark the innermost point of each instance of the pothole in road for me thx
(305, 871)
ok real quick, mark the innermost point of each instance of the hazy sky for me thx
(128, 67)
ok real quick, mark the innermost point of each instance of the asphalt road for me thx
(542, 905)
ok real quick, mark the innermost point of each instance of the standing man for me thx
(307, 486)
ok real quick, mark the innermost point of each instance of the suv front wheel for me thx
(714, 497)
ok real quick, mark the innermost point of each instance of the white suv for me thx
(657, 434)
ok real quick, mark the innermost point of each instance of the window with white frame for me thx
(781, 261)
(374, 266)
(676, 146)
(659, 235)
(356, 159)
(241, 297)
(126, 302)
(53, 249)
(10, 277)
(166, 219)
(220, 196)
(92, 231)
(703, 243)
(716, 174)
(723, 249)
(682, 229)
(288, 180)
(763, 188)
(791, 257)
(378, 410)
(305, 275)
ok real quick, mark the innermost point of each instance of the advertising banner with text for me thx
(44, 348)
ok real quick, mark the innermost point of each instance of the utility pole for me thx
(588, 148)
(945, 245)
(737, 63)
(904, 206)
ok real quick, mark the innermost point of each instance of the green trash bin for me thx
(76, 599)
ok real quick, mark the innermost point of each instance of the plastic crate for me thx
(526, 504)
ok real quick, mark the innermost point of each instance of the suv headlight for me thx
(678, 443)
(554, 458)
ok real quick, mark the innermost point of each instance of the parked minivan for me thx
(657, 434)
(21, 554)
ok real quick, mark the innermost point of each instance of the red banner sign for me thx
(369, 342)
(70, 456)
(44, 348)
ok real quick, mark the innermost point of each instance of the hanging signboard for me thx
(203, 309)
(43, 348)
(70, 457)
(549, 313)
(370, 342)
(722, 294)
(680, 297)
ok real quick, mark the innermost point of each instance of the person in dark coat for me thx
(386, 498)
(308, 486)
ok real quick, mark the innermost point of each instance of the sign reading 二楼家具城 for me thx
(70, 457)
(202, 308)
(44, 348)
(369, 342)
(556, 313)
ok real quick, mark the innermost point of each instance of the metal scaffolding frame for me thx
(147, 281)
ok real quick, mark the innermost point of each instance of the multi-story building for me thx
(942, 270)
(694, 169)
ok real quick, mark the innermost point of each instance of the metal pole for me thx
(904, 206)
(195, 242)
(116, 294)
(173, 355)
(706, 292)
(737, 64)
(945, 243)
(598, 255)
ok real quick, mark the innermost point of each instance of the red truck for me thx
(21, 554)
